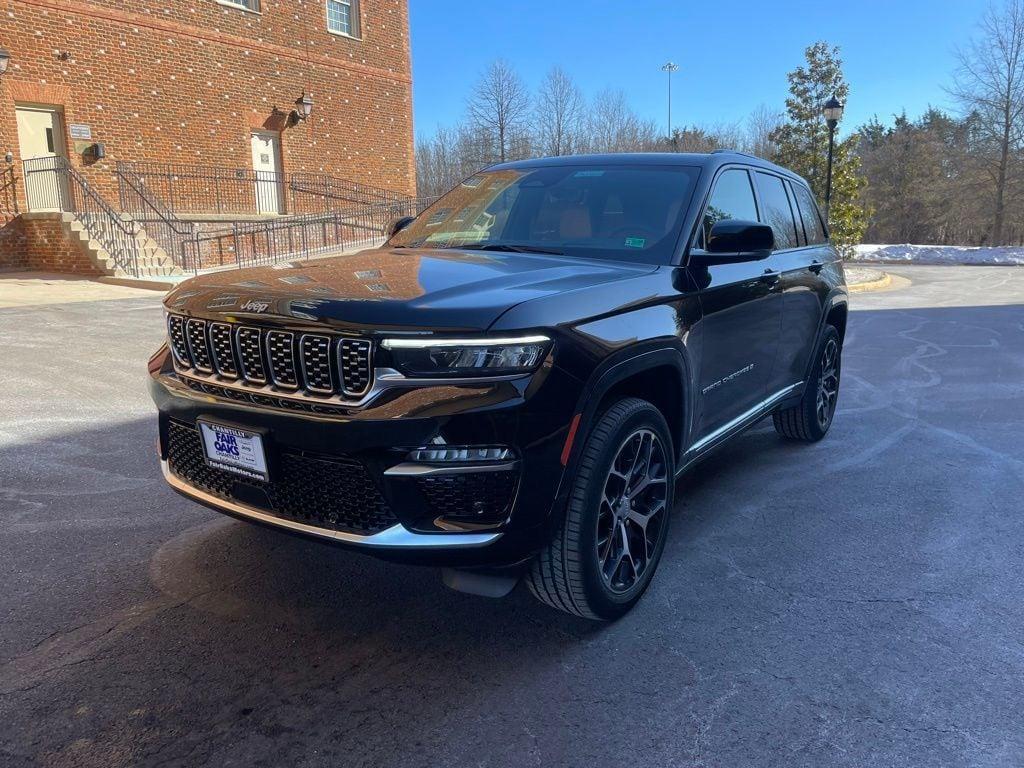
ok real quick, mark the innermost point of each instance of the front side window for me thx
(777, 212)
(343, 17)
(809, 213)
(733, 198)
(626, 213)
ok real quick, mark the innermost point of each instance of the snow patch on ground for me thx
(940, 254)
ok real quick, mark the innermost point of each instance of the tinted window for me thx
(800, 236)
(614, 211)
(776, 210)
(732, 198)
(809, 213)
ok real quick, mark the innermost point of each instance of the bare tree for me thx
(761, 124)
(559, 114)
(613, 126)
(989, 84)
(499, 107)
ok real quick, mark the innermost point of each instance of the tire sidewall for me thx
(604, 601)
(811, 393)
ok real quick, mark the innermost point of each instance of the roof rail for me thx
(736, 152)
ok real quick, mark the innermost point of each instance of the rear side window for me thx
(776, 210)
(809, 213)
(732, 198)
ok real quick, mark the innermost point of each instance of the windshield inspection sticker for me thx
(635, 242)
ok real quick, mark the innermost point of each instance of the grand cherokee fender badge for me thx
(727, 379)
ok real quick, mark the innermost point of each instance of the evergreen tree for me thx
(801, 143)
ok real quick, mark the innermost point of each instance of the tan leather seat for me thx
(575, 224)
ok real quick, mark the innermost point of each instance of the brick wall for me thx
(187, 81)
(39, 242)
(14, 246)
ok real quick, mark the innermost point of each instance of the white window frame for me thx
(240, 5)
(355, 17)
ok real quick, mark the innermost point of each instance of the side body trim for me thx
(743, 420)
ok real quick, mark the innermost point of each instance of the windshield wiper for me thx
(509, 248)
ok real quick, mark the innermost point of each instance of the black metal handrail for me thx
(52, 184)
(331, 193)
(172, 234)
(208, 189)
(203, 189)
(8, 193)
(291, 238)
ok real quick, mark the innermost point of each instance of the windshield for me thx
(626, 213)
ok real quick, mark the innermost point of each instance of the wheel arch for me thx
(662, 375)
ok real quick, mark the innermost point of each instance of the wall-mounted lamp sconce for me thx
(303, 108)
(9, 157)
(5, 60)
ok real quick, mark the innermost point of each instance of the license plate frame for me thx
(238, 450)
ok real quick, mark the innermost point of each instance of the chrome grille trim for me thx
(315, 359)
(222, 346)
(250, 354)
(280, 347)
(178, 343)
(198, 345)
(355, 362)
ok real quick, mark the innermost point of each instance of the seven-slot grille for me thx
(288, 361)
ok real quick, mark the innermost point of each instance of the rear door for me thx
(803, 290)
(741, 311)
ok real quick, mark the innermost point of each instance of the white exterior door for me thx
(266, 162)
(41, 141)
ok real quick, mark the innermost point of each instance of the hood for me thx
(395, 288)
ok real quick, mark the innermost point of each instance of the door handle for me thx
(815, 266)
(770, 276)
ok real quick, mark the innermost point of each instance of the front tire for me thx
(609, 543)
(810, 419)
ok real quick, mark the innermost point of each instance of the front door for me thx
(41, 140)
(266, 162)
(741, 316)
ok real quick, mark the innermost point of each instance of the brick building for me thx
(201, 84)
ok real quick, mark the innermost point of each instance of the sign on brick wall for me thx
(79, 131)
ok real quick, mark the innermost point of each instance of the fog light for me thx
(460, 454)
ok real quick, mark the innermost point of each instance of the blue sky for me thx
(733, 56)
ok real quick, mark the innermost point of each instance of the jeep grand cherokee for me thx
(509, 386)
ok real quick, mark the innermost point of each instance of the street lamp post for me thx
(833, 112)
(670, 67)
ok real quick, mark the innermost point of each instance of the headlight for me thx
(467, 357)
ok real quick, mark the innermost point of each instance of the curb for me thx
(873, 285)
(133, 282)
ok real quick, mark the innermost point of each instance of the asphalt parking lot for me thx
(859, 602)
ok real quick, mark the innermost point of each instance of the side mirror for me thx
(733, 241)
(398, 225)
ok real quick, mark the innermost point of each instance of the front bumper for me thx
(395, 537)
(530, 415)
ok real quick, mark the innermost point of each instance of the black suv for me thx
(509, 387)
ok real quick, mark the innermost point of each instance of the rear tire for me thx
(810, 419)
(601, 559)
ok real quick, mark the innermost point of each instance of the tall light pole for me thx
(833, 113)
(669, 67)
